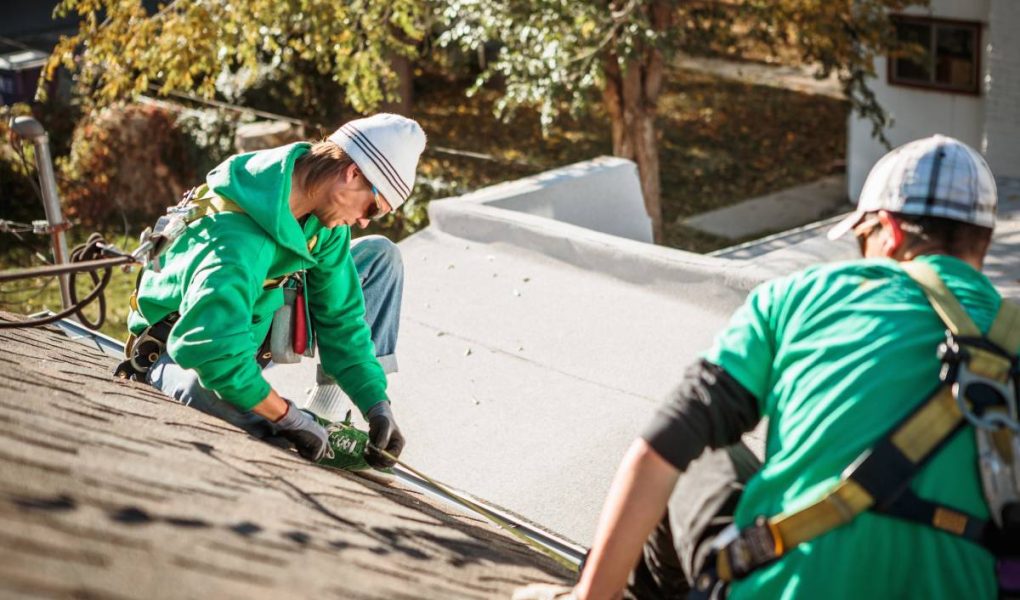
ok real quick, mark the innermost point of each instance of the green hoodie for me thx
(213, 276)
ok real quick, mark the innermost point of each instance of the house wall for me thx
(918, 113)
(1002, 90)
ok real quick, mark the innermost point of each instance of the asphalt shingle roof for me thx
(110, 490)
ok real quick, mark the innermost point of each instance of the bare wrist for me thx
(272, 407)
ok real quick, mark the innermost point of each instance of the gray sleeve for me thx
(709, 409)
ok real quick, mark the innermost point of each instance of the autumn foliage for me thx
(127, 164)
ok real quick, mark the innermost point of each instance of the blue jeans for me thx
(382, 282)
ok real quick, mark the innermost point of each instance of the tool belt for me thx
(142, 351)
(290, 336)
(978, 387)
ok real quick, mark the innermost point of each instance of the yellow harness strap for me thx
(941, 299)
(915, 438)
(1005, 331)
(210, 203)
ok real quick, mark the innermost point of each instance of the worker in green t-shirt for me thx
(833, 356)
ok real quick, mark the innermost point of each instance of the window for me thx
(950, 60)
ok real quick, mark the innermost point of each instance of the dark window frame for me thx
(934, 22)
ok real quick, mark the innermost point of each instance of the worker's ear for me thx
(351, 173)
(893, 239)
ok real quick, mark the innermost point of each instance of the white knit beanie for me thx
(386, 148)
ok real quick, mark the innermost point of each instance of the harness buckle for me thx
(752, 548)
(987, 403)
(987, 397)
(154, 241)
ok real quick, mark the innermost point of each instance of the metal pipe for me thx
(66, 269)
(30, 129)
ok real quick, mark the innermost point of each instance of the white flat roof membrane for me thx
(533, 351)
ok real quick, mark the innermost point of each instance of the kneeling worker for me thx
(282, 218)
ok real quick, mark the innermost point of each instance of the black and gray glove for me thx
(384, 434)
(301, 429)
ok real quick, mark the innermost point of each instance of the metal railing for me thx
(31, 130)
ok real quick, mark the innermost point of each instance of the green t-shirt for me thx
(835, 355)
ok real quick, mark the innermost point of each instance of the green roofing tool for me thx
(347, 445)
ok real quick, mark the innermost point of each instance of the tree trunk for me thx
(405, 88)
(631, 95)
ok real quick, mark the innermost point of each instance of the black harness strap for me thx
(911, 507)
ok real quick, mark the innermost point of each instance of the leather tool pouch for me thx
(288, 337)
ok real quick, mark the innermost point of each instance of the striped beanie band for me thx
(937, 176)
(386, 148)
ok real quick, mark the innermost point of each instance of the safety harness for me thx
(978, 386)
(291, 335)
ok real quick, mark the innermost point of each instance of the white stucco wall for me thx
(1002, 89)
(918, 113)
(602, 194)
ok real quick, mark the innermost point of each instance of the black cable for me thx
(60, 315)
(92, 249)
(55, 269)
(83, 258)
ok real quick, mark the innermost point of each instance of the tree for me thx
(555, 54)
(190, 45)
(559, 55)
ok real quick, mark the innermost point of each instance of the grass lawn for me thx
(721, 142)
(30, 296)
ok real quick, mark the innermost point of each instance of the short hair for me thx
(953, 237)
(320, 166)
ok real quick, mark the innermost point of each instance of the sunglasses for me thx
(376, 211)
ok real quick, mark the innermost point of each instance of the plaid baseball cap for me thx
(937, 176)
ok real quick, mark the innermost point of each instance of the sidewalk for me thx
(800, 79)
(779, 211)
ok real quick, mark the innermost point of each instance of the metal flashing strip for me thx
(564, 548)
(76, 331)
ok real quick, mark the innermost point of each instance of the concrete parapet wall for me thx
(602, 194)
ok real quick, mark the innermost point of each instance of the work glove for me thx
(383, 434)
(301, 429)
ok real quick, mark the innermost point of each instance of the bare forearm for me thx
(272, 407)
(636, 502)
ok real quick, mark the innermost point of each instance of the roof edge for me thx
(659, 268)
